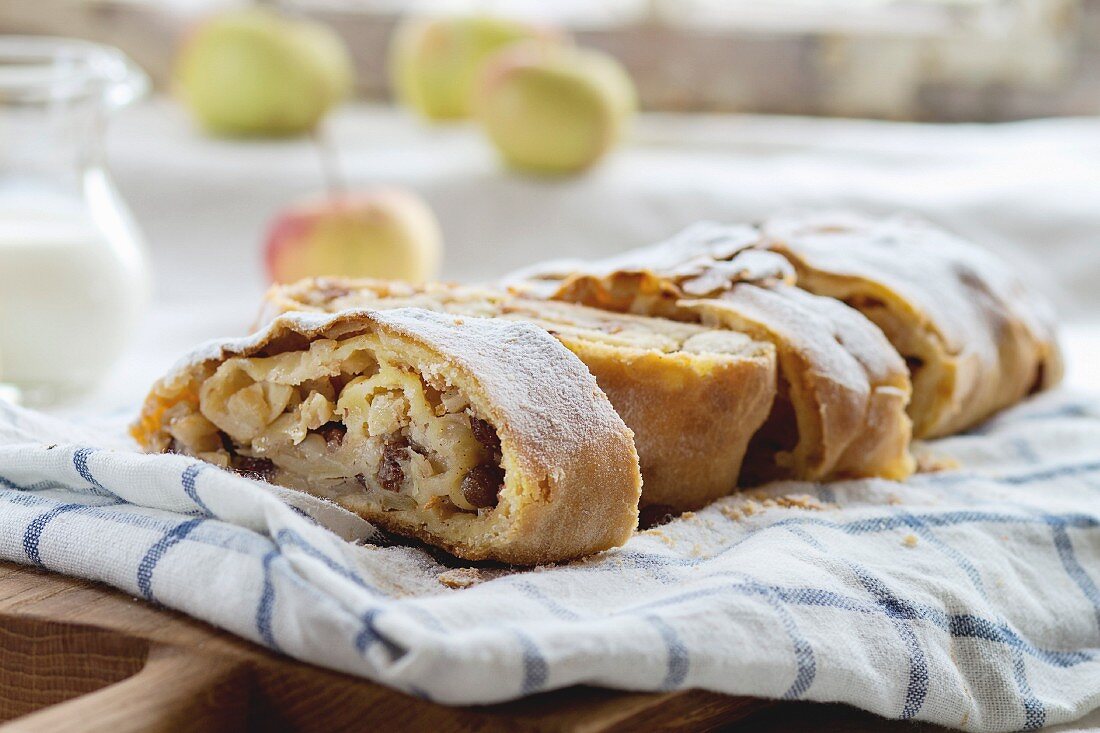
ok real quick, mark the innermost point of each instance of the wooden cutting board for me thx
(79, 656)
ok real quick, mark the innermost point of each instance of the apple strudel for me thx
(485, 437)
(842, 390)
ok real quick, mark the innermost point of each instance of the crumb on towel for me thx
(930, 462)
(460, 577)
(759, 502)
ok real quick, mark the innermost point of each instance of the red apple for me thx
(389, 234)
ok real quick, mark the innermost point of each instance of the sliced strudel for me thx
(485, 437)
(974, 336)
(841, 389)
(693, 396)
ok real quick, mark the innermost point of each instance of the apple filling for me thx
(340, 419)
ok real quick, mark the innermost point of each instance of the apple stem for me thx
(330, 162)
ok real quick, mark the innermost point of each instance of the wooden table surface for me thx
(80, 656)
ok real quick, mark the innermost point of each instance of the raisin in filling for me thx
(487, 436)
(482, 485)
(333, 433)
(258, 468)
(339, 420)
(390, 474)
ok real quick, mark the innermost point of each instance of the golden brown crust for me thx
(571, 481)
(977, 339)
(691, 427)
(692, 397)
(848, 387)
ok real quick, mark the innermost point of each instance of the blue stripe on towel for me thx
(901, 612)
(553, 606)
(1073, 567)
(535, 669)
(1035, 714)
(149, 562)
(369, 635)
(187, 480)
(33, 534)
(676, 652)
(266, 607)
(80, 463)
(46, 485)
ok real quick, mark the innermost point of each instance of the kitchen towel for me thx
(966, 596)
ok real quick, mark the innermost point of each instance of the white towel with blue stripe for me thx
(967, 596)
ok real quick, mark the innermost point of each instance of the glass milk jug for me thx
(73, 279)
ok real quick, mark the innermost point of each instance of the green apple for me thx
(256, 72)
(553, 110)
(435, 61)
(388, 234)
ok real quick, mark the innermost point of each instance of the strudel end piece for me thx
(975, 337)
(842, 388)
(485, 437)
(693, 396)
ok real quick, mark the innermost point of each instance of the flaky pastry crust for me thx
(568, 470)
(842, 389)
(976, 338)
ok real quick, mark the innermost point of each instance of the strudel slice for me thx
(975, 338)
(841, 390)
(693, 396)
(485, 437)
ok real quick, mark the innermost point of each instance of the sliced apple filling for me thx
(335, 420)
(487, 438)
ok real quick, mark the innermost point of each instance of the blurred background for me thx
(464, 139)
(932, 60)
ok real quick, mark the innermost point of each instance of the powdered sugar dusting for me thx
(545, 396)
(965, 291)
(717, 267)
(704, 258)
(841, 343)
(990, 340)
